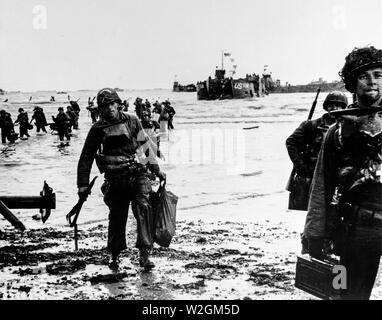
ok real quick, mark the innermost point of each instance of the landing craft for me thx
(222, 87)
(177, 87)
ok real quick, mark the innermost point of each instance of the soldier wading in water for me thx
(345, 205)
(114, 142)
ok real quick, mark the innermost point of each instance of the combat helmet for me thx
(107, 96)
(357, 61)
(336, 96)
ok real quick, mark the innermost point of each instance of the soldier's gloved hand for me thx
(315, 247)
(81, 191)
(161, 175)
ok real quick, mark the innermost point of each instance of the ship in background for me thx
(177, 87)
(310, 87)
(222, 87)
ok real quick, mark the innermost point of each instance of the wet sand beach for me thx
(235, 239)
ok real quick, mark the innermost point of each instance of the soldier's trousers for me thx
(63, 132)
(361, 259)
(40, 127)
(4, 134)
(119, 191)
(24, 131)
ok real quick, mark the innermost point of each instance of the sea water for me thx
(226, 159)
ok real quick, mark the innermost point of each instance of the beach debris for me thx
(29, 271)
(188, 286)
(25, 288)
(205, 265)
(201, 240)
(108, 278)
(231, 251)
(65, 267)
(36, 217)
(269, 276)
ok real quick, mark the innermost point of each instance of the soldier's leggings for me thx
(119, 191)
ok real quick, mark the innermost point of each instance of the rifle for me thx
(76, 211)
(313, 105)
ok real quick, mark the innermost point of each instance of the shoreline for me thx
(207, 259)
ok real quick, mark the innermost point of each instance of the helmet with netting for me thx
(357, 61)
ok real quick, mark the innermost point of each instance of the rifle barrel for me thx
(314, 105)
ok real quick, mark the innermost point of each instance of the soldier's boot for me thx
(144, 260)
(114, 261)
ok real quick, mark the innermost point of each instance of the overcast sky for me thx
(89, 44)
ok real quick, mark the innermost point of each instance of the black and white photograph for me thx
(214, 150)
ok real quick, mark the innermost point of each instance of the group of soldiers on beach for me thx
(158, 112)
(336, 174)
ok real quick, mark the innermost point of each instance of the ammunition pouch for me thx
(351, 216)
(361, 216)
(117, 164)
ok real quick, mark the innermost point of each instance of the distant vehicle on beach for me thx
(61, 92)
(2, 92)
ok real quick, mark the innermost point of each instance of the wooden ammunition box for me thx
(316, 277)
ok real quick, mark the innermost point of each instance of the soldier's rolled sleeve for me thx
(88, 154)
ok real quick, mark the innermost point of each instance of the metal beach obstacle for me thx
(45, 202)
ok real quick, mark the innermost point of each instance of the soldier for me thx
(93, 110)
(62, 122)
(157, 107)
(345, 205)
(73, 117)
(39, 118)
(23, 120)
(157, 110)
(148, 107)
(171, 112)
(76, 108)
(303, 146)
(116, 142)
(125, 105)
(151, 127)
(7, 127)
(138, 107)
